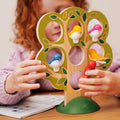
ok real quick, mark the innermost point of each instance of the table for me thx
(110, 110)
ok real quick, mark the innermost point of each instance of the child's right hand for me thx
(18, 79)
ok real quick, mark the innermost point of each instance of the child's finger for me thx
(90, 94)
(94, 81)
(95, 72)
(92, 87)
(30, 77)
(32, 55)
(25, 86)
(35, 68)
(29, 63)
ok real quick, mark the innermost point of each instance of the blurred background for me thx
(110, 8)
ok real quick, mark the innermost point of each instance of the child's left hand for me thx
(105, 83)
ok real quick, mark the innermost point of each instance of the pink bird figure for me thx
(95, 32)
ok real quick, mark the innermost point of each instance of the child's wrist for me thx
(8, 87)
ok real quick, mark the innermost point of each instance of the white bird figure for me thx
(56, 62)
(75, 34)
(95, 32)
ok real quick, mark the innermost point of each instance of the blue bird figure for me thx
(56, 62)
(55, 57)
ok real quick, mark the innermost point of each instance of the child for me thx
(15, 76)
(22, 67)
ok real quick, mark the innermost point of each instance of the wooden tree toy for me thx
(89, 33)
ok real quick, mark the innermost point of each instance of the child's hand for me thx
(18, 79)
(105, 83)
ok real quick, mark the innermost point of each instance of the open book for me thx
(31, 105)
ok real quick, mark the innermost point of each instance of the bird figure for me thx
(94, 55)
(56, 62)
(75, 34)
(95, 32)
(90, 66)
(97, 57)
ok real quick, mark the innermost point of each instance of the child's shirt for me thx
(19, 54)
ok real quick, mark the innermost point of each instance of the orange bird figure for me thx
(94, 55)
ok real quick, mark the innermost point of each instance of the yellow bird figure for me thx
(94, 55)
(75, 34)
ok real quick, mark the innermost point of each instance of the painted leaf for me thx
(46, 49)
(84, 17)
(45, 41)
(47, 74)
(105, 25)
(65, 83)
(83, 44)
(65, 15)
(64, 71)
(78, 13)
(104, 67)
(92, 15)
(53, 16)
(62, 80)
(72, 16)
(104, 35)
(101, 41)
(107, 60)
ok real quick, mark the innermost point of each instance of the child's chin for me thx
(55, 38)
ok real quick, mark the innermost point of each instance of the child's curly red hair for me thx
(26, 20)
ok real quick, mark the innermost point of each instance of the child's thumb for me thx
(32, 55)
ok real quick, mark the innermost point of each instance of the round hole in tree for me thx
(75, 55)
(74, 30)
(55, 59)
(73, 80)
(53, 31)
(95, 48)
(95, 29)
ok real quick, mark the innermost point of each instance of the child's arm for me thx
(15, 58)
(106, 82)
